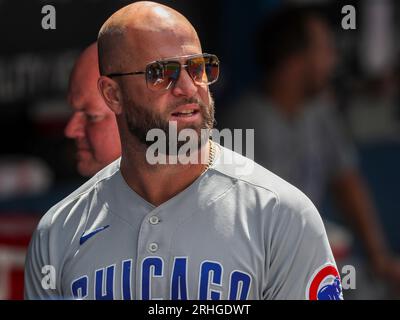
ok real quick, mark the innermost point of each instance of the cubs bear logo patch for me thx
(325, 284)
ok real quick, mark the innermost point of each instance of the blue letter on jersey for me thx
(236, 278)
(99, 284)
(79, 288)
(156, 264)
(216, 270)
(178, 283)
(126, 279)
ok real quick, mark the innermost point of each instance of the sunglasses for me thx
(162, 74)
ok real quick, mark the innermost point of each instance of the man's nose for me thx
(185, 85)
(75, 126)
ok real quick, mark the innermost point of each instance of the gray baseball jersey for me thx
(230, 235)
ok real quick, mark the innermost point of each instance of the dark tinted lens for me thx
(212, 69)
(161, 75)
(204, 69)
(171, 72)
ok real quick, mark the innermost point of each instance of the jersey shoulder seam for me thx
(250, 183)
(71, 198)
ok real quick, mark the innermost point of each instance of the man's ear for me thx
(111, 93)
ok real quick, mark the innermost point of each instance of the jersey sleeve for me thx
(301, 264)
(40, 275)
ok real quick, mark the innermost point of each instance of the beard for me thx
(140, 120)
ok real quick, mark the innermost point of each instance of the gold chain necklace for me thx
(210, 156)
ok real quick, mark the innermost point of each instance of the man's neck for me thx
(160, 182)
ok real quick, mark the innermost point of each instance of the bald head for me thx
(121, 35)
(92, 124)
(85, 69)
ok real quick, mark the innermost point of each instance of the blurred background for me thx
(37, 162)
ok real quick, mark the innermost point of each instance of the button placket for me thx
(153, 220)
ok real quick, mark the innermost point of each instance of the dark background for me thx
(35, 63)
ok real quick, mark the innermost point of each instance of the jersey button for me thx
(154, 220)
(153, 247)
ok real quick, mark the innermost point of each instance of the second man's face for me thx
(92, 125)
